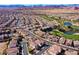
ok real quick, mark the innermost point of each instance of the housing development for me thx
(39, 30)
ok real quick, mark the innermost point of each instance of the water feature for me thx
(69, 32)
(67, 24)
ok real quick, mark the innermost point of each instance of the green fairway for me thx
(47, 18)
(56, 32)
(59, 33)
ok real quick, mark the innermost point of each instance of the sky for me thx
(7, 2)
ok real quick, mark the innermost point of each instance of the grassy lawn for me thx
(61, 21)
(47, 17)
(56, 32)
(50, 18)
(59, 33)
(75, 27)
(58, 19)
(74, 37)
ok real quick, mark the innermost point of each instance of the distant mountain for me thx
(11, 6)
(40, 6)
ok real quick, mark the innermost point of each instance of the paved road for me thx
(42, 51)
(47, 40)
(7, 23)
(25, 48)
(64, 46)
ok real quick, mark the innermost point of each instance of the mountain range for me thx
(40, 6)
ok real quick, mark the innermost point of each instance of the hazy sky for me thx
(39, 2)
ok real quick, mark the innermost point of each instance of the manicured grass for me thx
(75, 27)
(74, 37)
(47, 18)
(51, 18)
(59, 33)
